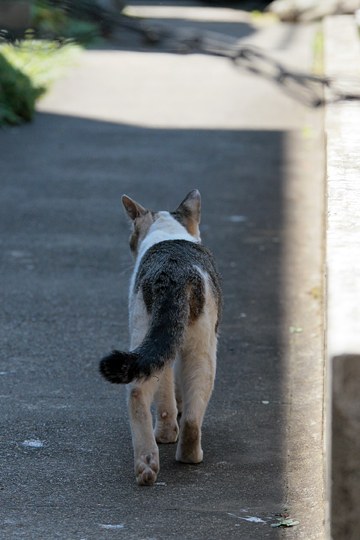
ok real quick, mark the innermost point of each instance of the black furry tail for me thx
(168, 322)
(118, 367)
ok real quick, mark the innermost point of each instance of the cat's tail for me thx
(169, 318)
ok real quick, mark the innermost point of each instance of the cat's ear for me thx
(132, 208)
(190, 208)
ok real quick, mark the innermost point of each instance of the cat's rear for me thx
(178, 283)
(175, 305)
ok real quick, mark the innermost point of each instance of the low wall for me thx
(342, 127)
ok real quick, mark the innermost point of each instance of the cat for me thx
(175, 304)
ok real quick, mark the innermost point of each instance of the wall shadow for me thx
(61, 211)
(163, 35)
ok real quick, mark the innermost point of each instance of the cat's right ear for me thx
(132, 208)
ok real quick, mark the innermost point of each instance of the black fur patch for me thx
(172, 265)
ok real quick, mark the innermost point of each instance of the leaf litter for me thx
(284, 520)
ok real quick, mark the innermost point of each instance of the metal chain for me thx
(306, 87)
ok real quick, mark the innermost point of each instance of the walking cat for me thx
(174, 304)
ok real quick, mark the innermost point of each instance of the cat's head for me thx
(186, 217)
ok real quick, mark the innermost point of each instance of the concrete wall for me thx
(342, 121)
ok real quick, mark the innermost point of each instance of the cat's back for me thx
(180, 260)
(179, 269)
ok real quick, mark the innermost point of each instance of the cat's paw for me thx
(166, 432)
(147, 468)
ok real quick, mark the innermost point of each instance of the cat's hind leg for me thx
(146, 453)
(166, 427)
(196, 376)
(140, 397)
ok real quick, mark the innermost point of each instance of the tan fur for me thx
(190, 224)
(141, 225)
(192, 227)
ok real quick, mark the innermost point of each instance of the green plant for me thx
(27, 69)
(17, 94)
(55, 22)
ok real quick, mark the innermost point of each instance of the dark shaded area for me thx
(246, 5)
(345, 447)
(58, 20)
(65, 271)
(89, 8)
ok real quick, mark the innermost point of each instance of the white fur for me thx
(164, 228)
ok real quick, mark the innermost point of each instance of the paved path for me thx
(155, 125)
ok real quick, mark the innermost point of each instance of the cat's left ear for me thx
(133, 208)
(190, 208)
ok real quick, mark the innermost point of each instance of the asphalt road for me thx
(155, 125)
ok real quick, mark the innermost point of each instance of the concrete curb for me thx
(342, 121)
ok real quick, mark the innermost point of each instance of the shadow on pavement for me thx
(66, 267)
(157, 26)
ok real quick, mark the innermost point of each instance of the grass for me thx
(27, 69)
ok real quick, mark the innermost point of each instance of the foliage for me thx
(27, 69)
(17, 94)
(55, 22)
